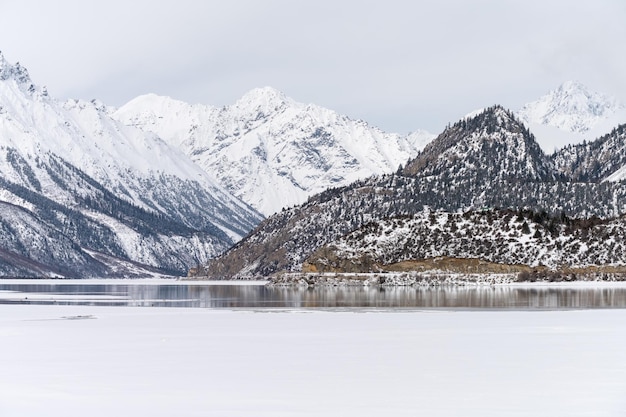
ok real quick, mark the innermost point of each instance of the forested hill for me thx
(503, 240)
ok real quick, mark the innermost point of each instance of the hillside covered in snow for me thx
(500, 240)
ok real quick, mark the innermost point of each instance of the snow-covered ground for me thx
(122, 361)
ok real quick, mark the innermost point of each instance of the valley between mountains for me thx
(269, 185)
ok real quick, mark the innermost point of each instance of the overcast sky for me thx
(400, 65)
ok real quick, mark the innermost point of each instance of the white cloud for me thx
(400, 65)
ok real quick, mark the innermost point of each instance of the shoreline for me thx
(438, 278)
(331, 279)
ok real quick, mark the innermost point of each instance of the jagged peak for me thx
(16, 72)
(19, 74)
(572, 88)
(572, 85)
(493, 138)
(93, 104)
(574, 96)
(489, 119)
(264, 100)
(571, 107)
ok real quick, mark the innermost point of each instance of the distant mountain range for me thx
(273, 152)
(162, 186)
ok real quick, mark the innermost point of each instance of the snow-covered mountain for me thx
(104, 187)
(269, 150)
(571, 114)
(489, 160)
(493, 145)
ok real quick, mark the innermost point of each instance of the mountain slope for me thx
(107, 187)
(601, 160)
(269, 150)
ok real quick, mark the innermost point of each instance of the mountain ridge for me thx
(493, 143)
(267, 141)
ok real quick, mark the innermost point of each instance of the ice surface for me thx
(197, 362)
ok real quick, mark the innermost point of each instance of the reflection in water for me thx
(454, 297)
(258, 296)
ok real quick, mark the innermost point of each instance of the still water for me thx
(259, 296)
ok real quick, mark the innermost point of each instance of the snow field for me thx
(104, 361)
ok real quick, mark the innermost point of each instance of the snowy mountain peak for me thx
(572, 87)
(571, 107)
(128, 193)
(16, 78)
(263, 102)
(490, 120)
(576, 98)
(268, 149)
(495, 116)
(492, 144)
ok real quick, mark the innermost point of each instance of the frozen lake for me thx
(165, 293)
(87, 350)
(77, 361)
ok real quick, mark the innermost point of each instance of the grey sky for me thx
(400, 65)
